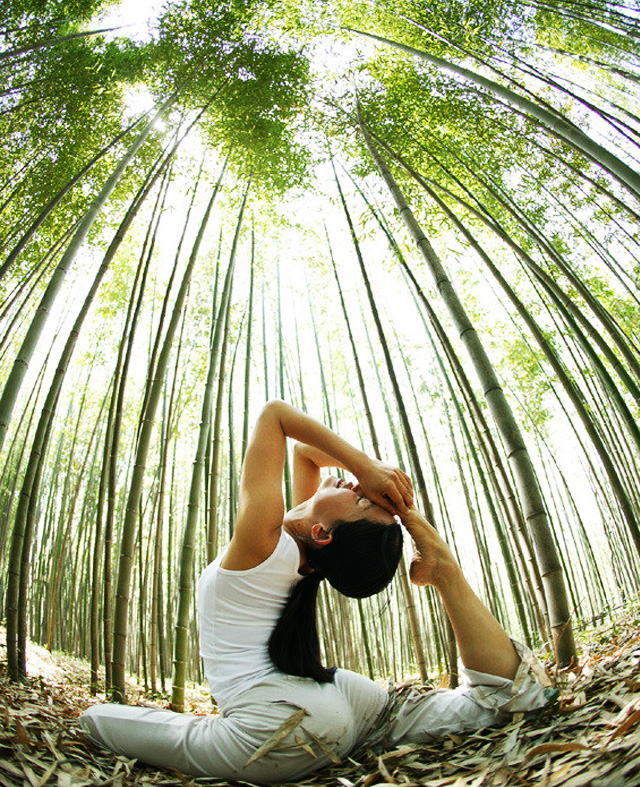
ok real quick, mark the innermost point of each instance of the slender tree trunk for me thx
(127, 543)
(46, 42)
(533, 504)
(77, 477)
(361, 385)
(222, 341)
(188, 540)
(107, 486)
(498, 474)
(416, 468)
(247, 360)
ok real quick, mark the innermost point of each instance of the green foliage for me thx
(255, 117)
(438, 26)
(254, 88)
(602, 30)
(78, 90)
(524, 366)
(24, 13)
(60, 107)
(625, 307)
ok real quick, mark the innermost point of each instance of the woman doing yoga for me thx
(257, 622)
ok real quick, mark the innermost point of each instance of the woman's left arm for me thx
(307, 462)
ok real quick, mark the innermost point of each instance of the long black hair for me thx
(359, 561)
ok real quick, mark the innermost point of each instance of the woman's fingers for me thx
(404, 491)
(387, 486)
(397, 496)
(407, 490)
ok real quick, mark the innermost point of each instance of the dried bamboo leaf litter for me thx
(589, 738)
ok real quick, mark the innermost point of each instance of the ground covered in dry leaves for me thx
(590, 737)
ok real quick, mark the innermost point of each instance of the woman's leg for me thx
(317, 719)
(483, 644)
(197, 745)
(366, 699)
(499, 677)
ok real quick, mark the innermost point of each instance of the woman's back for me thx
(237, 611)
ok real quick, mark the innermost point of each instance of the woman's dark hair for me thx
(359, 561)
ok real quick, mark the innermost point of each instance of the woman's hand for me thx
(386, 486)
(433, 563)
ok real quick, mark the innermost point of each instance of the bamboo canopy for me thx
(418, 222)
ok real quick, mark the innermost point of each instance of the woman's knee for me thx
(366, 699)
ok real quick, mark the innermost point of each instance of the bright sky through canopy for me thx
(134, 16)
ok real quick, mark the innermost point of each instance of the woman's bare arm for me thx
(261, 505)
(307, 462)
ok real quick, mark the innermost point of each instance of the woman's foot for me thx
(433, 563)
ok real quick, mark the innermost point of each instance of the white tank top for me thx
(237, 611)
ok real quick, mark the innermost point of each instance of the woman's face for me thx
(336, 499)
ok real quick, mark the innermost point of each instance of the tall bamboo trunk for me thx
(416, 468)
(55, 581)
(101, 559)
(212, 526)
(247, 360)
(46, 42)
(181, 639)
(129, 528)
(533, 504)
(498, 474)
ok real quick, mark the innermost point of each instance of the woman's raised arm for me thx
(261, 504)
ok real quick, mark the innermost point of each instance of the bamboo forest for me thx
(417, 222)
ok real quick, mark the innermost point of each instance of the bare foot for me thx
(433, 563)
(419, 571)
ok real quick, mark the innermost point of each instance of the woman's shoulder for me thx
(284, 558)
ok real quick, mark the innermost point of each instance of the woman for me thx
(283, 713)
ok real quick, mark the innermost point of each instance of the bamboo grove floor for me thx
(589, 738)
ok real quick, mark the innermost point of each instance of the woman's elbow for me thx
(273, 410)
(273, 406)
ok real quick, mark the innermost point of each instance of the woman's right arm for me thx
(260, 501)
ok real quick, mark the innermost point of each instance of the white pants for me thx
(338, 717)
